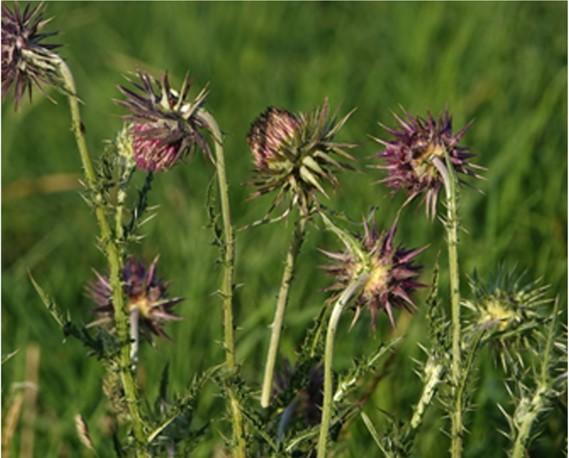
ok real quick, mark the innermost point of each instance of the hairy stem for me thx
(451, 226)
(276, 327)
(339, 306)
(114, 259)
(239, 446)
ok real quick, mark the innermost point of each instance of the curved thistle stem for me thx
(114, 259)
(339, 307)
(276, 327)
(451, 226)
(240, 446)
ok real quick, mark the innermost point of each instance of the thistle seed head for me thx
(144, 292)
(295, 154)
(392, 274)
(165, 127)
(410, 156)
(27, 61)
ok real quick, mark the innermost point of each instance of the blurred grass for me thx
(501, 64)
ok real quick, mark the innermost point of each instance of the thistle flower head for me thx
(419, 148)
(392, 274)
(295, 154)
(27, 60)
(144, 293)
(510, 312)
(164, 125)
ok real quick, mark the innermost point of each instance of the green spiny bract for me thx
(509, 312)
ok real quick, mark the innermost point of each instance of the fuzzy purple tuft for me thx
(409, 157)
(143, 291)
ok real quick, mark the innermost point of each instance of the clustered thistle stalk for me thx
(297, 158)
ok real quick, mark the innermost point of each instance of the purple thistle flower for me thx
(392, 275)
(410, 156)
(26, 60)
(164, 126)
(143, 291)
(295, 153)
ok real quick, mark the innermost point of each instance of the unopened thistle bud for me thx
(392, 275)
(410, 156)
(144, 292)
(510, 313)
(26, 60)
(295, 154)
(164, 126)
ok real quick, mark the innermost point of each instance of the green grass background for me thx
(502, 65)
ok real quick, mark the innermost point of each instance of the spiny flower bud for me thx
(164, 126)
(295, 154)
(410, 156)
(144, 292)
(26, 60)
(392, 275)
(510, 312)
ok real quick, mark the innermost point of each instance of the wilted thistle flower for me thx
(411, 155)
(306, 388)
(144, 292)
(164, 126)
(295, 153)
(26, 60)
(510, 312)
(392, 275)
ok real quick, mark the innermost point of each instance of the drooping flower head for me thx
(414, 156)
(509, 311)
(392, 274)
(164, 125)
(144, 292)
(295, 154)
(27, 60)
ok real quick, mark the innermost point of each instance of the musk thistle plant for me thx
(293, 155)
(372, 272)
(423, 157)
(27, 60)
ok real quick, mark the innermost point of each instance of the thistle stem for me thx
(112, 253)
(531, 408)
(451, 226)
(276, 327)
(239, 447)
(339, 306)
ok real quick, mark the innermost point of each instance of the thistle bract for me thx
(144, 293)
(164, 126)
(410, 156)
(509, 312)
(392, 275)
(27, 61)
(295, 154)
